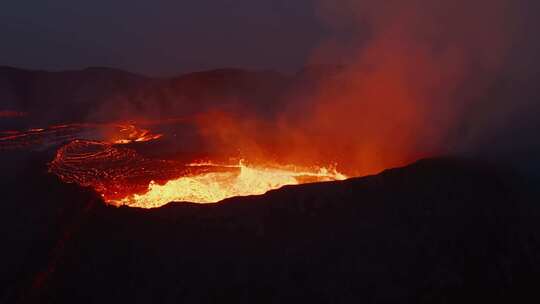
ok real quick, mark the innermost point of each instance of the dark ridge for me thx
(98, 94)
(439, 230)
(6, 68)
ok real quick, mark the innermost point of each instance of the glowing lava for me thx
(216, 186)
(129, 133)
(123, 177)
(97, 156)
(117, 133)
(112, 170)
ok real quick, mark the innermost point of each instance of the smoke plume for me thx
(413, 72)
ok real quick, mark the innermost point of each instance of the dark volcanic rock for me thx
(436, 231)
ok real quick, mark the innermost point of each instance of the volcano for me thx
(263, 151)
(204, 205)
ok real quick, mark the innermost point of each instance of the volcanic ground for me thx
(435, 231)
(450, 229)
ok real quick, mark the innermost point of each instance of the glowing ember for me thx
(130, 133)
(216, 186)
(113, 171)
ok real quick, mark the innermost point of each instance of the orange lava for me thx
(123, 177)
(117, 133)
(215, 186)
(112, 170)
(98, 156)
(130, 133)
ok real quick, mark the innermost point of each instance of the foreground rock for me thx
(436, 231)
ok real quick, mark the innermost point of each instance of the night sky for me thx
(159, 37)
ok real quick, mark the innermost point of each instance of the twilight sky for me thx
(168, 37)
(158, 37)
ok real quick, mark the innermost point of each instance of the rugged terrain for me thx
(439, 230)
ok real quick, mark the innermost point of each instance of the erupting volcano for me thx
(270, 151)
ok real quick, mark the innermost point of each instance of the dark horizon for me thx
(290, 72)
(160, 38)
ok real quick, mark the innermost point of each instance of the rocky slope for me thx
(440, 230)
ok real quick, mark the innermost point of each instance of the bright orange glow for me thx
(123, 177)
(130, 133)
(405, 92)
(215, 186)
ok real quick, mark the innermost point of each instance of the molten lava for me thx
(124, 177)
(111, 170)
(130, 133)
(216, 186)
(60, 134)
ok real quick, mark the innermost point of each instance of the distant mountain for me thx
(102, 94)
(62, 96)
(437, 231)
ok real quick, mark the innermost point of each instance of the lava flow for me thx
(122, 176)
(120, 133)
(113, 171)
(98, 156)
(214, 186)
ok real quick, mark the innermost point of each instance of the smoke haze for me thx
(420, 79)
